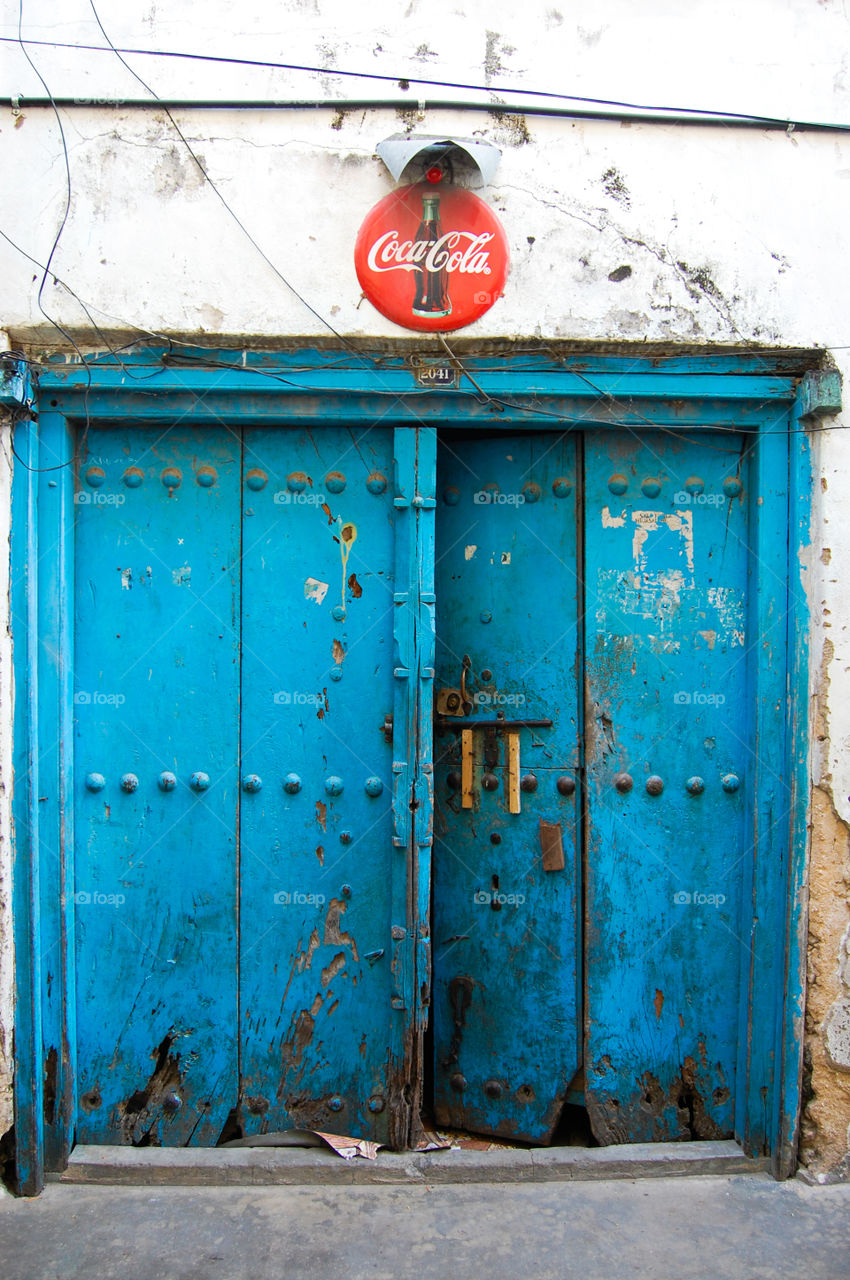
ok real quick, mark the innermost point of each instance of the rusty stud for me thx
(396, 1002)
(206, 477)
(336, 1103)
(618, 484)
(345, 891)
(133, 477)
(95, 782)
(566, 785)
(654, 785)
(493, 1088)
(486, 675)
(730, 782)
(398, 933)
(252, 782)
(334, 482)
(489, 781)
(495, 838)
(377, 1103)
(95, 477)
(172, 477)
(199, 781)
(376, 483)
(373, 786)
(695, 786)
(651, 487)
(694, 484)
(562, 487)
(345, 837)
(335, 673)
(451, 496)
(296, 482)
(333, 785)
(292, 784)
(458, 1082)
(732, 486)
(454, 780)
(256, 479)
(623, 782)
(129, 782)
(528, 782)
(531, 492)
(166, 781)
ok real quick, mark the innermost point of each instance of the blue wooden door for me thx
(316, 833)
(670, 766)
(248, 893)
(156, 752)
(506, 996)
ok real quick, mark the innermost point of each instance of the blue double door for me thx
(289, 913)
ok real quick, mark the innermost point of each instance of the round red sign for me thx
(433, 258)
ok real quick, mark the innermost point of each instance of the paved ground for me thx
(705, 1228)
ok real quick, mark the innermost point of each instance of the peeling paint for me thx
(315, 590)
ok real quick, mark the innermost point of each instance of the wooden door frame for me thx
(777, 396)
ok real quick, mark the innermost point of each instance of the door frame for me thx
(776, 396)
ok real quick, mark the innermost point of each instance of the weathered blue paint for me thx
(506, 999)
(55, 781)
(683, 393)
(318, 583)
(29, 1013)
(668, 651)
(157, 695)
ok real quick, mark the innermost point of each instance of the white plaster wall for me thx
(732, 236)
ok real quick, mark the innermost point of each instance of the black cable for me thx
(404, 80)
(66, 212)
(322, 320)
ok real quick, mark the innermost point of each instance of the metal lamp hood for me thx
(401, 149)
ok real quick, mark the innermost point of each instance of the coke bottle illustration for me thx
(431, 295)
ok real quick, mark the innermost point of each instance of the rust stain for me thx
(316, 1005)
(354, 586)
(658, 1002)
(681, 1021)
(332, 1008)
(328, 512)
(322, 814)
(320, 854)
(338, 651)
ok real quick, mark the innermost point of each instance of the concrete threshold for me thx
(297, 1166)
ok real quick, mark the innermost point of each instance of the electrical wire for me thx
(405, 80)
(55, 245)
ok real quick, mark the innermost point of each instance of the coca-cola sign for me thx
(431, 257)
